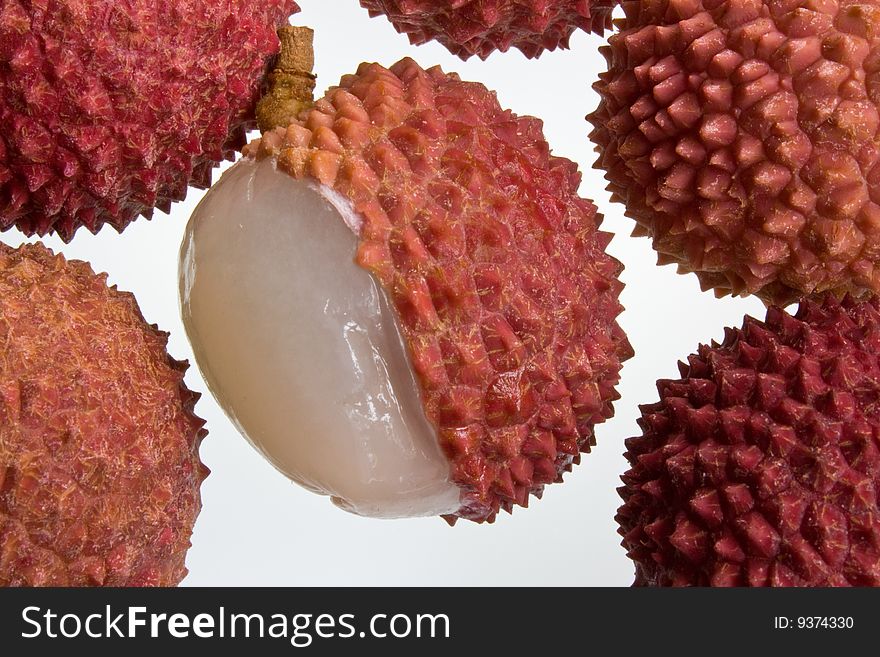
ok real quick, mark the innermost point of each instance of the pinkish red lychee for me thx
(744, 138)
(99, 465)
(110, 110)
(760, 466)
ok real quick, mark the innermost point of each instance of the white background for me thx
(257, 528)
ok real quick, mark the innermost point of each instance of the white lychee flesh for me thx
(301, 347)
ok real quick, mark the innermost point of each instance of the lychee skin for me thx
(99, 466)
(497, 269)
(481, 27)
(761, 465)
(110, 110)
(744, 139)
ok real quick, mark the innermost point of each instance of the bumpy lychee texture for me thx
(112, 109)
(761, 465)
(403, 303)
(99, 466)
(481, 27)
(742, 135)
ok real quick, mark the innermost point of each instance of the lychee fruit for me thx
(744, 139)
(112, 109)
(99, 465)
(403, 303)
(760, 466)
(481, 27)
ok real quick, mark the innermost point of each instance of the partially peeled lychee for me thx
(402, 302)
(481, 27)
(110, 109)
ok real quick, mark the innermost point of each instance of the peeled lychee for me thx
(480, 27)
(111, 109)
(402, 302)
(744, 138)
(99, 465)
(761, 465)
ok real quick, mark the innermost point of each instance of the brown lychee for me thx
(99, 465)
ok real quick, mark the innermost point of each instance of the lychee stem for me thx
(291, 82)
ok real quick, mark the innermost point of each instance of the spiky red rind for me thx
(761, 465)
(496, 267)
(481, 27)
(744, 138)
(99, 465)
(112, 110)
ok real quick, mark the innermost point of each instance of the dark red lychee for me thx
(480, 27)
(760, 466)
